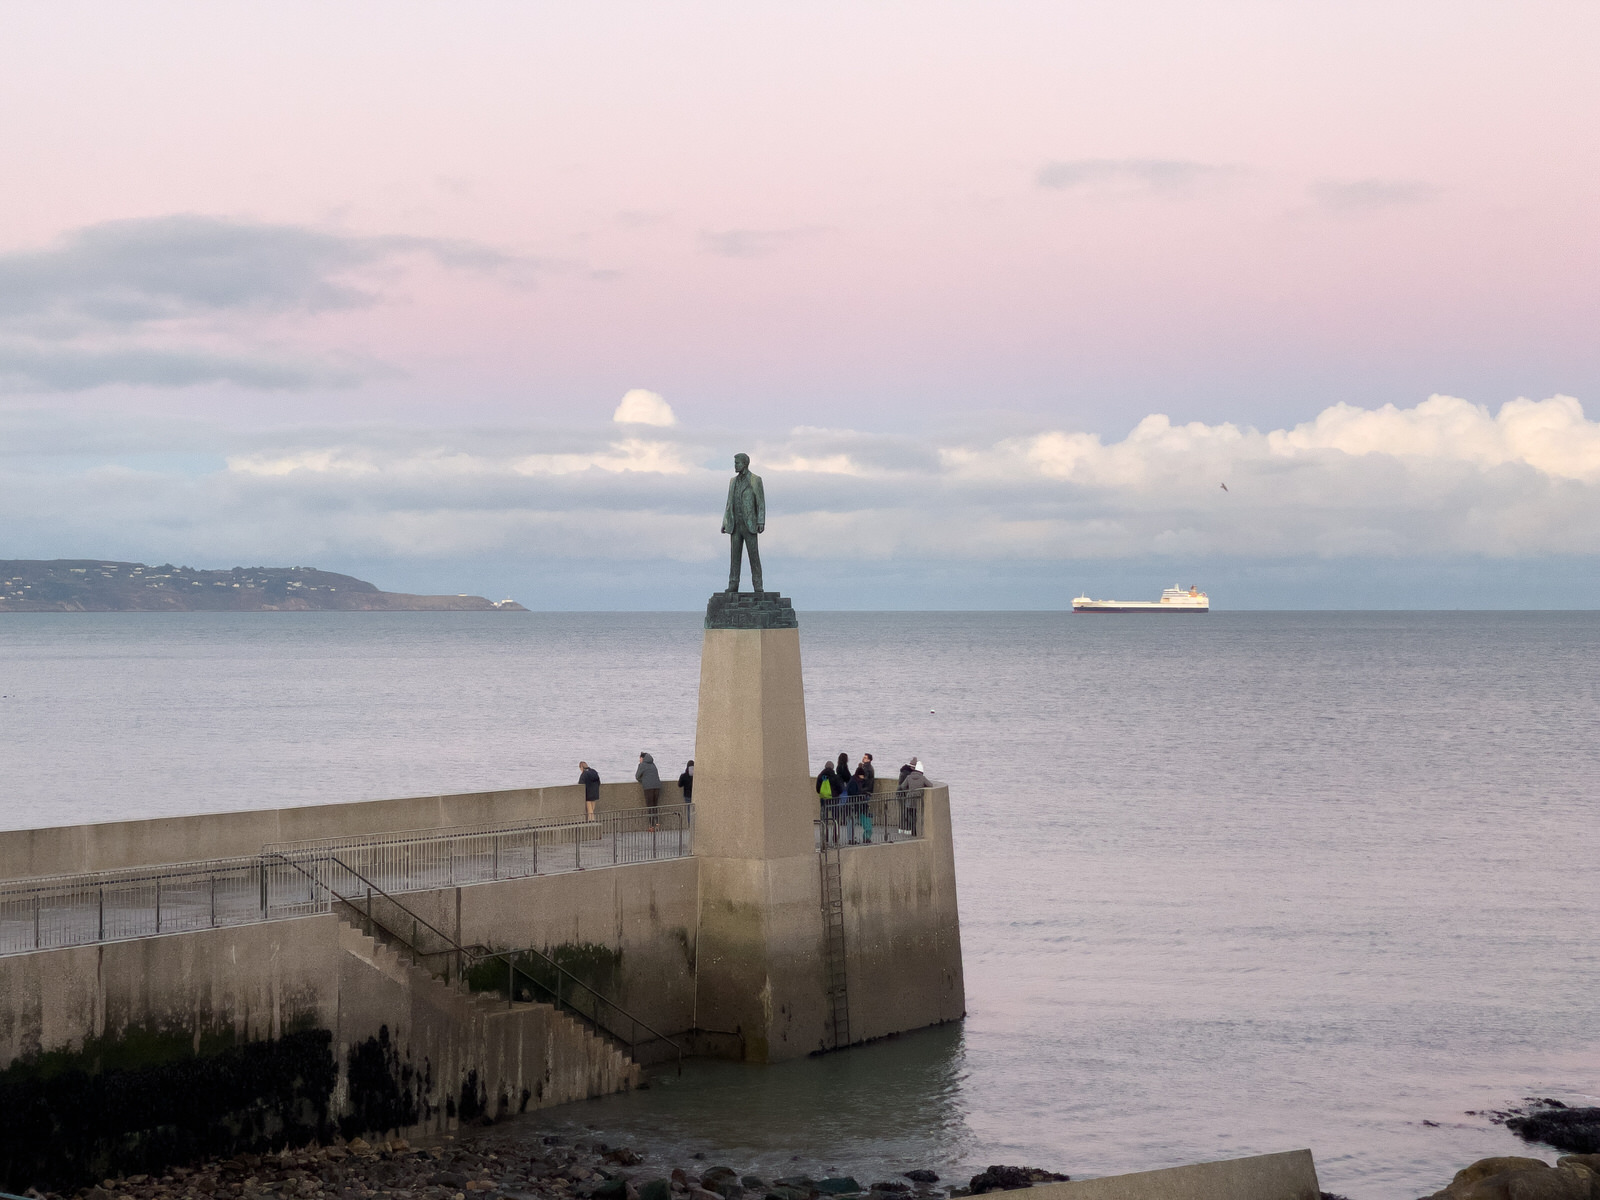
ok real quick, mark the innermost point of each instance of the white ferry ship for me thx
(1173, 600)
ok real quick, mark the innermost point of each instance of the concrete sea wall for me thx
(403, 1052)
(902, 930)
(69, 849)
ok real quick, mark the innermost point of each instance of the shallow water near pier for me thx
(1229, 884)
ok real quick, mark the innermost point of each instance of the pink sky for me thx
(844, 214)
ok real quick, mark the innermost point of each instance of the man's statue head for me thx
(741, 463)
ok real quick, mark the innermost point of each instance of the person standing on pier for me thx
(650, 780)
(686, 783)
(590, 778)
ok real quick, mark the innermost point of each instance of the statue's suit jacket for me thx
(753, 504)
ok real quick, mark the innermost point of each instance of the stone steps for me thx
(475, 1047)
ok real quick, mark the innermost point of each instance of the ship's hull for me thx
(1138, 606)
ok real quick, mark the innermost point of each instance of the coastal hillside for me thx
(90, 585)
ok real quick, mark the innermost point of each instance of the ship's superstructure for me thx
(1173, 600)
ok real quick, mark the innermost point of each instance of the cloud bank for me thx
(1446, 478)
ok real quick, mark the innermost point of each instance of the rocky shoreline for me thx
(496, 1163)
(491, 1165)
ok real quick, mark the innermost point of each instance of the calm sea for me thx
(1231, 884)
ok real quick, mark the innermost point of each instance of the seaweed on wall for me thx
(72, 1119)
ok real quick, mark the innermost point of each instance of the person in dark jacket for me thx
(686, 783)
(650, 780)
(828, 776)
(828, 792)
(590, 778)
(860, 797)
(872, 775)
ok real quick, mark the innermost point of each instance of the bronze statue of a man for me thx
(744, 518)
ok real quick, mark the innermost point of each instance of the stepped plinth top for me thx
(750, 610)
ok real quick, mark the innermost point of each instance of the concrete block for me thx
(1290, 1175)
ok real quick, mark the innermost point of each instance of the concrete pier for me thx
(738, 933)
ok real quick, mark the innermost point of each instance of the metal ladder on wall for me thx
(833, 926)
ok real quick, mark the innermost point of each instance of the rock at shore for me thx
(1510, 1177)
(1576, 1130)
(1006, 1179)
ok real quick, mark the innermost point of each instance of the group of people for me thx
(646, 775)
(843, 794)
(842, 791)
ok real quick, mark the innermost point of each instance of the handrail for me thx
(479, 954)
(372, 888)
(509, 958)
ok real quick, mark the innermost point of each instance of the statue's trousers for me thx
(744, 541)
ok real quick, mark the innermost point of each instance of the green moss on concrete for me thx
(597, 966)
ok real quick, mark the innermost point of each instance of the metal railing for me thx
(112, 906)
(425, 859)
(51, 912)
(565, 988)
(427, 943)
(864, 820)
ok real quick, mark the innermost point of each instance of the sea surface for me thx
(1229, 884)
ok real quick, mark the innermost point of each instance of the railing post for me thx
(497, 856)
(36, 920)
(369, 912)
(614, 839)
(102, 934)
(158, 904)
(213, 901)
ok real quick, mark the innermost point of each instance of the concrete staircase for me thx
(468, 1054)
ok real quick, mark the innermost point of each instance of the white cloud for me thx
(632, 454)
(1552, 436)
(629, 454)
(643, 407)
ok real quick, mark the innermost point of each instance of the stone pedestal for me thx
(760, 958)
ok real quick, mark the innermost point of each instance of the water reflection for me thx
(874, 1111)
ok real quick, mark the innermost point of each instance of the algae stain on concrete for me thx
(592, 964)
(143, 1099)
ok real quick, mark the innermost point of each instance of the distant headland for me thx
(92, 585)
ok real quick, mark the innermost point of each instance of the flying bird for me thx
(1223, 486)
